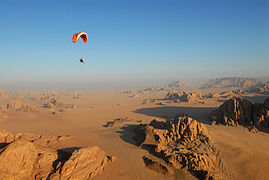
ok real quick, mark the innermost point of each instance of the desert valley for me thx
(217, 130)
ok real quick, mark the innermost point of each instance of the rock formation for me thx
(85, 163)
(14, 105)
(7, 137)
(19, 106)
(116, 121)
(184, 96)
(259, 88)
(54, 104)
(182, 142)
(239, 111)
(21, 158)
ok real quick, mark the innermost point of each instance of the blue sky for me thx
(132, 41)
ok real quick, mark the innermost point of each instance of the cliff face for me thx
(239, 111)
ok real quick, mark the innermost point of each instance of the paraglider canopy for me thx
(83, 36)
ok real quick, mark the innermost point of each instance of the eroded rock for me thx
(239, 111)
(116, 121)
(184, 96)
(181, 142)
(85, 163)
(22, 158)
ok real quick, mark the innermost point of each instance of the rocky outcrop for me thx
(7, 137)
(55, 104)
(14, 105)
(27, 108)
(184, 96)
(85, 163)
(19, 106)
(116, 122)
(22, 158)
(229, 82)
(239, 111)
(182, 142)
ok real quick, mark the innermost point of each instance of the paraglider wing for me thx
(83, 36)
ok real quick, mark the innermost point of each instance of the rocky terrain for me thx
(17, 105)
(26, 156)
(182, 142)
(116, 122)
(183, 96)
(259, 88)
(8, 95)
(239, 111)
(7, 137)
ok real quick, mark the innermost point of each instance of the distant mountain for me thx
(229, 82)
(179, 85)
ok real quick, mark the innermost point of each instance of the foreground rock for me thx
(182, 142)
(239, 111)
(85, 163)
(23, 159)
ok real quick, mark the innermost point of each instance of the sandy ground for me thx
(243, 155)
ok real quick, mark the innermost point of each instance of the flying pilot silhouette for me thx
(82, 61)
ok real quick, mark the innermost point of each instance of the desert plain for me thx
(176, 131)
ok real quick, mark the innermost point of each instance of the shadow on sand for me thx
(201, 114)
(127, 133)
